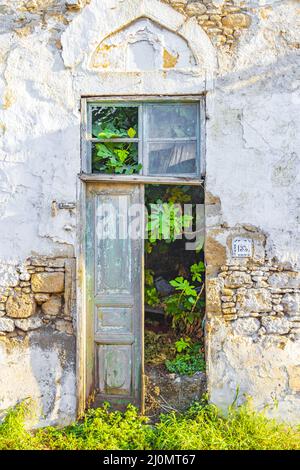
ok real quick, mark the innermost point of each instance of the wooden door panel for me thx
(113, 320)
(114, 293)
(115, 370)
(113, 267)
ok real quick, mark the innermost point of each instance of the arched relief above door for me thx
(143, 45)
(145, 42)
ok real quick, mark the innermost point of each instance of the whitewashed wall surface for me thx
(245, 56)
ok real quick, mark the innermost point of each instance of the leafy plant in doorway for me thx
(186, 305)
(166, 221)
(151, 294)
(189, 358)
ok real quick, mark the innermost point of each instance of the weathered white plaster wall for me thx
(40, 368)
(254, 118)
(252, 156)
(253, 175)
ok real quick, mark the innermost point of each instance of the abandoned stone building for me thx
(232, 65)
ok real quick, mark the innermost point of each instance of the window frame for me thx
(142, 140)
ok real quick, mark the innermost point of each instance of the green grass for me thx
(202, 427)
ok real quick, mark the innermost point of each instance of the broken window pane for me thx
(112, 122)
(172, 121)
(169, 158)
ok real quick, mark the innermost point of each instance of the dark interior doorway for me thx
(174, 297)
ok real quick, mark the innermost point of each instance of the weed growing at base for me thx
(202, 427)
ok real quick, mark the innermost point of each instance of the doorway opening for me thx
(174, 297)
(141, 162)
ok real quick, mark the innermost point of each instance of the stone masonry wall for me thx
(261, 300)
(37, 342)
(223, 21)
(253, 319)
(42, 294)
(253, 336)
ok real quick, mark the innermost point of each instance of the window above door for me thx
(146, 139)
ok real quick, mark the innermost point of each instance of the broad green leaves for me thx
(110, 132)
(119, 157)
(166, 221)
(185, 306)
(131, 132)
(111, 123)
(184, 286)
(196, 270)
(183, 344)
(151, 294)
(188, 360)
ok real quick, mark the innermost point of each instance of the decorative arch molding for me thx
(143, 45)
(145, 39)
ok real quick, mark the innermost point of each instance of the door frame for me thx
(83, 179)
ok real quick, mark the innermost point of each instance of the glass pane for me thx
(111, 122)
(172, 121)
(115, 158)
(168, 158)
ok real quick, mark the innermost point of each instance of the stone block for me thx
(56, 263)
(228, 304)
(278, 308)
(236, 20)
(6, 325)
(237, 279)
(27, 324)
(246, 326)
(227, 298)
(20, 305)
(53, 306)
(258, 273)
(274, 325)
(291, 304)
(40, 261)
(64, 326)
(40, 298)
(285, 280)
(229, 317)
(213, 296)
(195, 9)
(181, 3)
(229, 311)
(215, 254)
(227, 292)
(255, 300)
(51, 283)
(26, 290)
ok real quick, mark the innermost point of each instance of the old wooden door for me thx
(114, 248)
